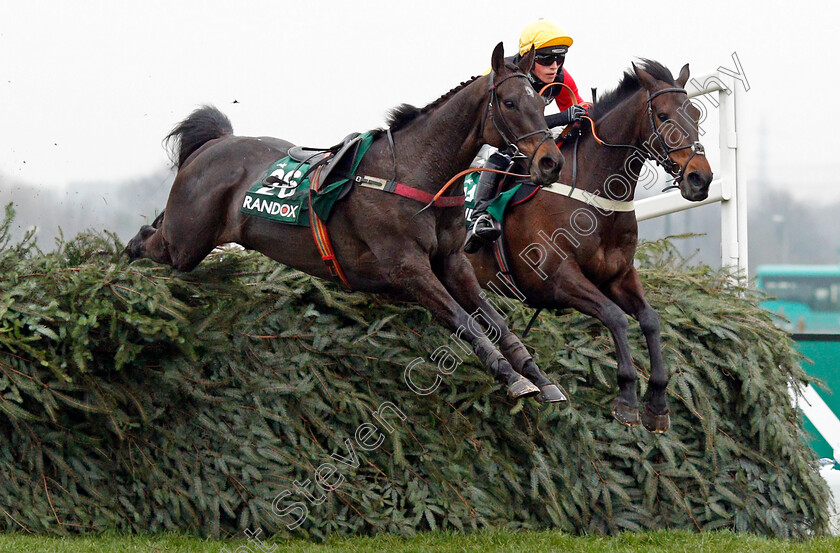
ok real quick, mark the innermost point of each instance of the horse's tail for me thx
(204, 124)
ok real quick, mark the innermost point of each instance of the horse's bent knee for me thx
(649, 320)
(615, 320)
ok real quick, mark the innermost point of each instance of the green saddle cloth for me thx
(497, 207)
(282, 194)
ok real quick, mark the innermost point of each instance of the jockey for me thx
(551, 45)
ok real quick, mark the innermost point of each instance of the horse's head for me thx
(670, 134)
(516, 114)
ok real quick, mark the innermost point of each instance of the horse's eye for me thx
(663, 117)
(509, 104)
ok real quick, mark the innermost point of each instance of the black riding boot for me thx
(481, 229)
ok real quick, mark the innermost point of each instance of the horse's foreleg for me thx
(415, 276)
(629, 295)
(458, 277)
(571, 288)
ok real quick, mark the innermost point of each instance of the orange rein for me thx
(466, 172)
(572, 93)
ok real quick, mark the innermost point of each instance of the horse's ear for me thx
(497, 62)
(527, 61)
(683, 78)
(645, 78)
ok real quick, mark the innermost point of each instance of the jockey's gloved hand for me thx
(570, 115)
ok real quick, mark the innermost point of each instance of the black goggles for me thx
(548, 59)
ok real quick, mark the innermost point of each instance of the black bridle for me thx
(663, 157)
(672, 167)
(511, 146)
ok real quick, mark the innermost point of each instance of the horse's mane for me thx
(404, 114)
(629, 85)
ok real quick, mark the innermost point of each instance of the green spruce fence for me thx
(136, 398)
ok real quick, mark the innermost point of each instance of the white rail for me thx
(821, 416)
(730, 188)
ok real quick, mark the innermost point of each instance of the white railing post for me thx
(732, 231)
(741, 186)
(729, 187)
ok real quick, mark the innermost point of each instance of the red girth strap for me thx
(408, 192)
(319, 229)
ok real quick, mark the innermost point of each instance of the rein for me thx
(673, 168)
(449, 183)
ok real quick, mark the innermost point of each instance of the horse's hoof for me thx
(628, 416)
(658, 424)
(551, 393)
(522, 387)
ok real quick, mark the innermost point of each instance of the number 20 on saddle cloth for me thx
(302, 188)
(283, 194)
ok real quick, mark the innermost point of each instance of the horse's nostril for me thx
(696, 180)
(551, 164)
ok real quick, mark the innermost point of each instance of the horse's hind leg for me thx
(195, 240)
(136, 248)
(187, 231)
(148, 243)
(458, 277)
(629, 295)
(414, 275)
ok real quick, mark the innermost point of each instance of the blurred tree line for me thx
(121, 207)
(781, 229)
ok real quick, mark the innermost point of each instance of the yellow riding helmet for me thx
(542, 34)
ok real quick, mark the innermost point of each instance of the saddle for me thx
(316, 157)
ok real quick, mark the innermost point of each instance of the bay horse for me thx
(385, 242)
(569, 253)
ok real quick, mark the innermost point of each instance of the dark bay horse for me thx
(384, 242)
(564, 252)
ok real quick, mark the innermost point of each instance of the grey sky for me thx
(89, 88)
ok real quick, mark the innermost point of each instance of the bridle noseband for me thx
(511, 146)
(672, 167)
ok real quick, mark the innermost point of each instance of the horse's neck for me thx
(613, 172)
(442, 141)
